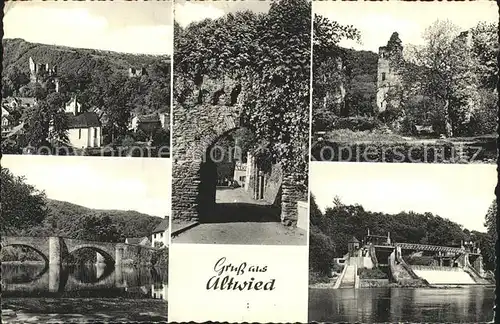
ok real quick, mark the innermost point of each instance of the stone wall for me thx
(205, 110)
(202, 113)
(289, 198)
(273, 185)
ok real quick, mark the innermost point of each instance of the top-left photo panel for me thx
(87, 78)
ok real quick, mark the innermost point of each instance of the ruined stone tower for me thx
(40, 70)
(37, 70)
(390, 59)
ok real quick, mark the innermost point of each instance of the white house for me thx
(161, 233)
(149, 123)
(73, 106)
(7, 121)
(84, 128)
(159, 291)
(240, 173)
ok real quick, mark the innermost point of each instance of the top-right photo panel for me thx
(402, 81)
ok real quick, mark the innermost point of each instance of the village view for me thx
(59, 100)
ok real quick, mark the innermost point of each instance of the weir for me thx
(446, 265)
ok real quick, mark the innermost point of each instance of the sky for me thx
(192, 11)
(460, 192)
(377, 20)
(119, 183)
(131, 27)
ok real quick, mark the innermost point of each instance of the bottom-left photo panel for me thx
(84, 239)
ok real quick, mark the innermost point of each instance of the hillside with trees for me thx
(27, 211)
(331, 230)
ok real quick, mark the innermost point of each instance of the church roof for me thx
(83, 120)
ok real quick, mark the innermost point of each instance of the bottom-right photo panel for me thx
(402, 242)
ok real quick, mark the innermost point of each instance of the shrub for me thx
(159, 258)
(338, 267)
(317, 277)
(420, 260)
(374, 273)
(323, 121)
(328, 121)
(358, 123)
(484, 119)
(321, 251)
(389, 115)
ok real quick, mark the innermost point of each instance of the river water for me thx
(368, 305)
(84, 292)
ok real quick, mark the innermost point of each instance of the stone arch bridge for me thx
(54, 250)
(206, 111)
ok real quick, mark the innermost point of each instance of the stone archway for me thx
(207, 113)
(210, 109)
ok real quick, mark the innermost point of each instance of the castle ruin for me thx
(40, 70)
(389, 67)
(136, 72)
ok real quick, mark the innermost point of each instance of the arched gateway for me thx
(203, 114)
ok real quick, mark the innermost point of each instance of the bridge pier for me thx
(118, 255)
(54, 277)
(119, 282)
(54, 250)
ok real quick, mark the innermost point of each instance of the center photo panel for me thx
(240, 139)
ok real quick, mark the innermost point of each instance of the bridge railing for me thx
(427, 247)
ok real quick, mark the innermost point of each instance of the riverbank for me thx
(42, 310)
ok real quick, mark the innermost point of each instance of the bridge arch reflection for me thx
(61, 280)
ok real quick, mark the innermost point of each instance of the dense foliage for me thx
(330, 232)
(329, 70)
(269, 54)
(23, 205)
(451, 79)
(490, 241)
(99, 79)
(70, 220)
(26, 211)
